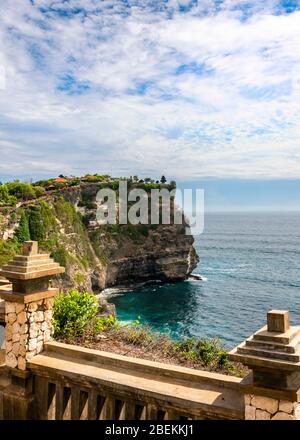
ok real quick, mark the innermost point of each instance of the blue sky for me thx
(203, 91)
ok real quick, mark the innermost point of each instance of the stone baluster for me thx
(273, 355)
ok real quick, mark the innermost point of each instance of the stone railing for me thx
(77, 383)
(43, 379)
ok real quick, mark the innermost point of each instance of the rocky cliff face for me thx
(165, 254)
(97, 256)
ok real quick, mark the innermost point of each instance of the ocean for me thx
(250, 263)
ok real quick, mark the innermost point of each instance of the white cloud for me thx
(232, 109)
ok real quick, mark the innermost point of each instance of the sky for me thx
(206, 92)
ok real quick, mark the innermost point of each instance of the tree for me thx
(163, 179)
(20, 190)
(135, 178)
(22, 233)
(39, 191)
(5, 197)
(147, 180)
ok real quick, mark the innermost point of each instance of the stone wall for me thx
(28, 326)
(266, 408)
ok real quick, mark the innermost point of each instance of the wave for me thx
(203, 278)
(120, 290)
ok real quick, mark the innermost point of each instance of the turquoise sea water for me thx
(251, 263)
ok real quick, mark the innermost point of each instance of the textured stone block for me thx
(22, 318)
(22, 351)
(16, 337)
(10, 307)
(32, 344)
(11, 360)
(33, 334)
(39, 317)
(265, 403)
(30, 248)
(20, 308)
(48, 315)
(49, 303)
(297, 410)
(8, 332)
(47, 336)
(15, 348)
(8, 346)
(32, 307)
(24, 339)
(44, 326)
(247, 399)
(262, 415)
(39, 346)
(30, 355)
(11, 318)
(21, 363)
(283, 416)
(286, 406)
(249, 412)
(24, 329)
(278, 321)
(16, 327)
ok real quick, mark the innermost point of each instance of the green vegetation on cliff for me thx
(8, 249)
(44, 222)
(64, 222)
(11, 192)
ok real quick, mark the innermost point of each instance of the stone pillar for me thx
(273, 355)
(267, 408)
(28, 317)
(28, 326)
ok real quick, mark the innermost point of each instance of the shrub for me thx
(22, 233)
(79, 278)
(61, 256)
(105, 323)
(5, 197)
(8, 249)
(39, 191)
(73, 312)
(24, 191)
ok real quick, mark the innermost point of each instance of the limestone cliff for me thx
(96, 256)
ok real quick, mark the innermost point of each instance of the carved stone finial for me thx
(30, 248)
(278, 321)
(272, 353)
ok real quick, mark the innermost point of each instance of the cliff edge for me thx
(96, 256)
